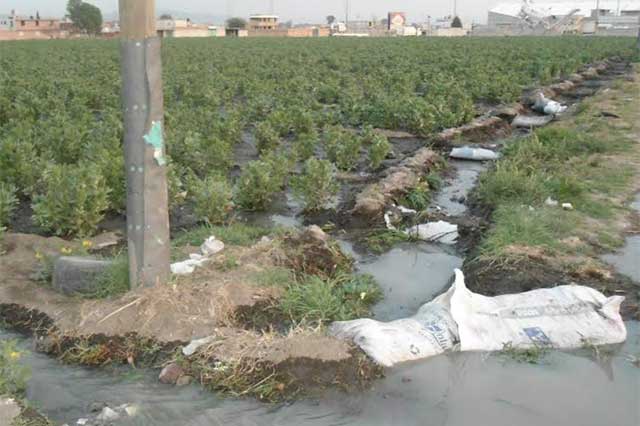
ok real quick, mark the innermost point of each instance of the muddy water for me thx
(452, 197)
(626, 260)
(410, 275)
(565, 389)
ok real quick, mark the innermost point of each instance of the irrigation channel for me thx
(585, 387)
(456, 389)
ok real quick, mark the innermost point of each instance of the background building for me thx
(263, 22)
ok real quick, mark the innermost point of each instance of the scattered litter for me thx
(82, 422)
(567, 206)
(528, 121)
(405, 210)
(551, 202)
(108, 415)
(441, 232)
(193, 347)
(474, 154)
(565, 317)
(548, 106)
(211, 247)
(387, 221)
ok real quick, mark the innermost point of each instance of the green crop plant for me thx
(317, 185)
(13, 374)
(257, 186)
(379, 149)
(267, 138)
(8, 203)
(305, 144)
(73, 200)
(347, 152)
(213, 199)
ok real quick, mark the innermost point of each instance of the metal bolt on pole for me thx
(142, 99)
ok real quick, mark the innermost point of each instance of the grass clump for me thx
(317, 184)
(213, 198)
(114, 281)
(521, 226)
(8, 203)
(235, 234)
(382, 240)
(317, 300)
(13, 375)
(533, 355)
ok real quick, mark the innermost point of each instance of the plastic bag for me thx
(440, 232)
(548, 106)
(474, 154)
(209, 248)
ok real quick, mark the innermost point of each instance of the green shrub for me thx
(8, 203)
(418, 198)
(13, 375)
(213, 197)
(379, 149)
(267, 138)
(73, 200)
(20, 164)
(304, 145)
(281, 165)
(317, 185)
(257, 186)
(342, 147)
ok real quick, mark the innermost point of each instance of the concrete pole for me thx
(144, 149)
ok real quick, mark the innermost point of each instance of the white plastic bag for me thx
(548, 106)
(430, 332)
(211, 247)
(566, 317)
(440, 232)
(474, 154)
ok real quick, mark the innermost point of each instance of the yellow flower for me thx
(87, 244)
(66, 250)
(15, 356)
(39, 255)
(363, 296)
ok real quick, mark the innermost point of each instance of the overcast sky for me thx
(297, 10)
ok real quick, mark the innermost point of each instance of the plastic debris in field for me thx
(548, 106)
(209, 248)
(437, 232)
(474, 154)
(528, 122)
(565, 317)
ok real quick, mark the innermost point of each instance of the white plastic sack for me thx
(440, 232)
(432, 331)
(525, 121)
(474, 154)
(211, 247)
(566, 317)
(548, 106)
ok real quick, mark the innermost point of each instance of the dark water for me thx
(627, 260)
(451, 198)
(566, 389)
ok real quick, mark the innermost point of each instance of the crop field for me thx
(308, 107)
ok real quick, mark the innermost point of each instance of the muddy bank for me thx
(148, 327)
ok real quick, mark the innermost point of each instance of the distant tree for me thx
(166, 16)
(457, 22)
(86, 17)
(331, 19)
(236, 23)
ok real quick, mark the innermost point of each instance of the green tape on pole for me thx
(155, 138)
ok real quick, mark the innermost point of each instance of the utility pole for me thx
(597, 15)
(144, 150)
(346, 15)
(455, 8)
